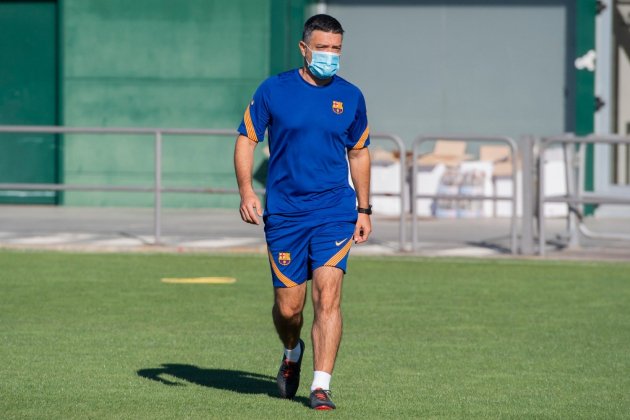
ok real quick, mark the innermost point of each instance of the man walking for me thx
(317, 129)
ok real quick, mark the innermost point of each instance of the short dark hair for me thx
(323, 23)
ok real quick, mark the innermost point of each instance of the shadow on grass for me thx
(229, 380)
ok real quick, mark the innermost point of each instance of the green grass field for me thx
(99, 336)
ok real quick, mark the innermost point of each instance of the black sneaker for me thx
(320, 400)
(288, 378)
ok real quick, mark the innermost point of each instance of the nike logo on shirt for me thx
(340, 242)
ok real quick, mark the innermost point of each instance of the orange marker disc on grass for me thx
(200, 280)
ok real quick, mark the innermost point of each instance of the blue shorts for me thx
(297, 247)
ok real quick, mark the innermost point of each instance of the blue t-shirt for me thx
(310, 130)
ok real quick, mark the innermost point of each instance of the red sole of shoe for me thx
(323, 408)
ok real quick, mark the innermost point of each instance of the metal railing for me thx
(157, 189)
(403, 204)
(573, 158)
(574, 167)
(414, 184)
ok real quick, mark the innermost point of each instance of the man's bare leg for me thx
(327, 322)
(288, 319)
(287, 313)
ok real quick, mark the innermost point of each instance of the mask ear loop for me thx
(305, 59)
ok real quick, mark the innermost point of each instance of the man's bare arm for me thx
(359, 160)
(250, 207)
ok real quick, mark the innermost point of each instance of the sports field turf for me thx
(99, 336)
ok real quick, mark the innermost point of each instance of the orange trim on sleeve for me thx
(249, 126)
(339, 255)
(360, 144)
(284, 279)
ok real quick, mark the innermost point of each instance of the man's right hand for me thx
(250, 208)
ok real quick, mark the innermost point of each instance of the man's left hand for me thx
(362, 229)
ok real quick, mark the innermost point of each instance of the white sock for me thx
(294, 354)
(321, 380)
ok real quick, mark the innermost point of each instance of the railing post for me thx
(529, 189)
(541, 198)
(572, 187)
(412, 196)
(157, 190)
(513, 234)
(403, 202)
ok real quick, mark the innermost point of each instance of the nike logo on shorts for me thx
(340, 242)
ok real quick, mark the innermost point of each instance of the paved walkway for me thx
(204, 230)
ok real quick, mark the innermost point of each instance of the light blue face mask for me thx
(323, 65)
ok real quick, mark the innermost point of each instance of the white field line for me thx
(220, 243)
(54, 239)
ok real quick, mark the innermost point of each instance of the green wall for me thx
(585, 92)
(164, 63)
(28, 96)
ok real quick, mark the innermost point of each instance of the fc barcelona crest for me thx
(284, 258)
(337, 107)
